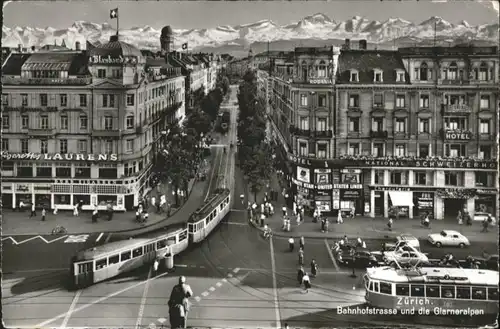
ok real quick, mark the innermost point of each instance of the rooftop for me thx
(116, 48)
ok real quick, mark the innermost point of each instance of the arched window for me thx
(483, 72)
(322, 69)
(304, 70)
(424, 70)
(452, 71)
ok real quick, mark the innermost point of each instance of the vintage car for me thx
(362, 258)
(409, 239)
(448, 238)
(405, 257)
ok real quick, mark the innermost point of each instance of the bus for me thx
(432, 290)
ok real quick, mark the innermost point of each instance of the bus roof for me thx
(434, 275)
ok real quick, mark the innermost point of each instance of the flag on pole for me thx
(113, 13)
(184, 46)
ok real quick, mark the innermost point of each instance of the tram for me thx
(433, 291)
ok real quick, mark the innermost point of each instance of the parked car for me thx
(481, 216)
(405, 257)
(362, 258)
(490, 262)
(409, 239)
(448, 238)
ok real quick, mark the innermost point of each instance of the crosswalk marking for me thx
(77, 238)
(14, 241)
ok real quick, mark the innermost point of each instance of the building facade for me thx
(84, 125)
(413, 131)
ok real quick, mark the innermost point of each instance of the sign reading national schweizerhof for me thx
(58, 156)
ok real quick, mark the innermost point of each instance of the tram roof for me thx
(434, 275)
(111, 247)
(208, 206)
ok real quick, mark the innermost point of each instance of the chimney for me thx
(362, 44)
(19, 47)
(77, 46)
(113, 38)
(347, 44)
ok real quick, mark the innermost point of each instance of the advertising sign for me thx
(350, 194)
(58, 156)
(303, 174)
(322, 178)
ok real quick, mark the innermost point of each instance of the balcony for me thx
(24, 109)
(112, 133)
(324, 134)
(455, 82)
(378, 134)
(9, 80)
(455, 108)
(378, 106)
(300, 132)
(42, 132)
(456, 134)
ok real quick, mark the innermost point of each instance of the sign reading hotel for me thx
(457, 136)
(58, 156)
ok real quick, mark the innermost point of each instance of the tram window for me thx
(85, 267)
(191, 227)
(478, 293)
(137, 252)
(149, 247)
(370, 286)
(182, 236)
(447, 291)
(171, 240)
(493, 293)
(463, 292)
(114, 259)
(432, 291)
(221, 206)
(125, 256)
(385, 288)
(376, 286)
(101, 263)
(161, 244)
(417, 290)
(402, 290)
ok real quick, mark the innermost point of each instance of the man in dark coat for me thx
(178, 304)
(300, 275)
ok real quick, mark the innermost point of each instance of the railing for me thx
(324, 133)
(106, 133)
(41, 131)
(454, 82)
(378, 134)
(9, 80)
(30, 109)
(456, 108)
(378, 106)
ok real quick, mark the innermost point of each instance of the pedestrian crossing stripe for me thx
(77, 238)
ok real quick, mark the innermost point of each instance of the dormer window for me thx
(101, 73)
(400, 76)
(378, 76)
(354, 76)
(422, 72)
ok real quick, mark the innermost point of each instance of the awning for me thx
(401, 199)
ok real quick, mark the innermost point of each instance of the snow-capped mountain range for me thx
(315, 27)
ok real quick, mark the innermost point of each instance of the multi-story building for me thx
(84, 125)
(195, 72)
(414, 130)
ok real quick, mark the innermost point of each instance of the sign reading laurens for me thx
(58, 156)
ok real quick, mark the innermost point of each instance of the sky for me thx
(207, 14)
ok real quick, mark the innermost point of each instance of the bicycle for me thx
(268, 235)
(59, 230)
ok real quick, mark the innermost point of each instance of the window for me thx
(44, 122)
(101, 73)
(5, 121)
(322, 69)
(400, 125)
(24, 99)
(485, 102)
(378, 100)
(493, 294)
(116, 73)
(417, 290)
(451, 178)
(354, 101)
(454, 99)
(354, 76)
(452, 71)
(385, 288)
(478, 293)
(483, 72)
(322, 100)
(303, 100)
(354, 125)
(108, 146)
(130, 99)
(43, 100)
(378, 124)
(83, 100)
(400, 101)
(303, 149)
(378, 176)
(455, 150)
(125, 256)
(423, 150)
(378, 150)
(424, 125)
(432, 291)
(484, 126)
(321, 124)
(400, 76)
(420, 178)
(322, 151)
(484, 179)
(398, 178)
(5, 100)
(84, 121)
(447, 291)
(402, 290)
(5, 144)
(463, 292)
(424, 101)
(63, 98)
(304, 123)
(64, 122)
(108, 100)
(377, 76)
(422, 73)
(63, 146)
(44, 146)
(137, 252)
(24, 146)
(161, 244)
(130, 145)
(114, 259)
(354, 149)
(108, 122)
(82, 146)
(25, 122)
(101, 263)
(130, 122)
(484, 152)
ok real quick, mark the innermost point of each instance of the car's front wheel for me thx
(462, 245)
(438, 244)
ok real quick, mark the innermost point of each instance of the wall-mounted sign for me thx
(391, 188)
(348, 186)
(457, 136)
(351, 171)
(322, 171)
(303, 174)
(22, 188)
(98, 59)
(350, 194)
(320, 81)
(58, 156)
(312, 186)
(298, 160)
(322, 179)
(430, 164)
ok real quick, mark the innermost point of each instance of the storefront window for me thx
(63, 172)
(84, 199)
(42, 201)
(44, 172)
(485, 203)
(399, 177)
(423, 203)
(82, 172)
(379, 176)
(62, 199)
(24, 171)
(107, 199)
(484, 179)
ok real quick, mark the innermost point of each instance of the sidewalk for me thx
(19, 223)
(364, 227)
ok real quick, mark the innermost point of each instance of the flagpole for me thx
(117, 23)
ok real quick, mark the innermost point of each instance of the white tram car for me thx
(441, 291)
(109, 260)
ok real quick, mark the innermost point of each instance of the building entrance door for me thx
(452, 206)
(379, 203)
(129, 202)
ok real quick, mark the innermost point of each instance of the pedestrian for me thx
(43, 214)
(389, 224)
(153, 201)
(271, 209)
(284, 224)
(75, 210)
(314, 268)
(340, 220)
(33, 211)
(485, 225)
(55, 210)
(323, 225)
(298, 219)
(288, 224)
(307, 283)
(459, 218)
(95, 213)
(326, 224)
(291, 244)
(427, 222)
(302, 243)
(178, 304)
(283, 209)
(110, 211)
(242, 198)
(300, 275)
(301, 257)
(156, 263)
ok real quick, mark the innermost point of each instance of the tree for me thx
(211, 103)
(199, 121)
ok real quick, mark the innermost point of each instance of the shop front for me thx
(350, 198)
(486, 201)
(311, 188)
(391, 201)
(423, 204)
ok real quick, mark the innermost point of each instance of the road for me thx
(238, 278)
